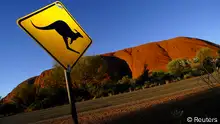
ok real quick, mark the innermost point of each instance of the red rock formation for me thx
(157, 54)
(37, 80)
(9, 97)
(41, 78)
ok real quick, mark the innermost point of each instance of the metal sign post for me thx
(71, 95)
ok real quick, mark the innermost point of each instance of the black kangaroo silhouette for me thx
(64, 30)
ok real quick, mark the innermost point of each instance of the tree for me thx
(203, 53)
(208, 65)
(205, 57)
(49, 97)
(89, 69)
(178, 66)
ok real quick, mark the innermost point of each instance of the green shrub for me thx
(196, 72)
(82, 93)
(48, 102)
(89, 68)
(97, 91)
(159, 77)
(9, 109)
(124, 80)
(153, 85)
(127, 80)
(179, 78)
(179, 67)
(147, 84)
(92, 89)
(187, 71)
(195, 60)
(203, 53)
(79, 99)
(34, 106)
(208, 66)
(125, 84)
(138, 87)
(110, 87)
(49, 97)
(186, 76)
(205, 57)
(121, 88)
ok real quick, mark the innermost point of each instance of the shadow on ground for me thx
(205, 104)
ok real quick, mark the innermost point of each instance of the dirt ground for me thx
(144, 111)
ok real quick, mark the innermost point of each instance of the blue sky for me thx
(112, 24)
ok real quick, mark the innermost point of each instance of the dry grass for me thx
(124, 113)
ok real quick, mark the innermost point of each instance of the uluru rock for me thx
(40, 80)
(36, 80)
(158, 54)
(9, 97)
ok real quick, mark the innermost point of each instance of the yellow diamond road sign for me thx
(54, 29)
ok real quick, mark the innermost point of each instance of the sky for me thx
(112, 25)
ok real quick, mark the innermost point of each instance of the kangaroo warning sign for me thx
(57, 32)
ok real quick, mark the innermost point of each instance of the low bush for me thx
(186, 76)
(159, 75)
(144, 76)
(196, 72)
(125, 84)
(153, 85)
(81, 93)
(109, 87)
(146, 84)
(49, 97)
(208, 66)
(138, 87)
(121, 88)
(9, 109)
